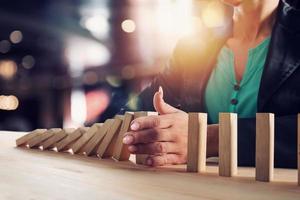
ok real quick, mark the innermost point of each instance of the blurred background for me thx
(68, 63)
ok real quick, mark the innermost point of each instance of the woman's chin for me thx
(233, 3)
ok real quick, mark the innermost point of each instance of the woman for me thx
(253, 69)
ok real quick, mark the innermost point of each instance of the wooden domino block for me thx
(24, 139)
(141, 158)
(36, 141)
(264, 158)
(67, 142)
(299, 149)
(121, 117)
(106, 147)
(58, 136)
(92, 145)
(227, 144)
(197, 138)
(121, 152)
(75, 148)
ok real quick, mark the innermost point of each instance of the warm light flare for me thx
(213, 15)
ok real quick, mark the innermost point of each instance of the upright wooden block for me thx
(264, 158)
(121, 152)
(67, 142)
(92, 145)
(24, 139)
(197, 139)
(36, 141)
(299, 149)
(141, 158)
(227, 144)
(50, 142)
(106, 147)
(76, 147)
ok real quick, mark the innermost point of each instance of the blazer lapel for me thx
(284, 56)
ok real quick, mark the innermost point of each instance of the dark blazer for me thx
(185, 78)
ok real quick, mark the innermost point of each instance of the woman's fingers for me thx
(151, 122)
(155, 148)
(165, 159)
(148, 136)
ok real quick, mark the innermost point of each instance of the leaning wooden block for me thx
(121, 150)
(24, 139)
(106, 147)
(67, 142)
(36, 141)
(197, 138)
(75, 148)
(264, 158)
(227, 144)
(49, 143)
(92, 145)
(299, 149)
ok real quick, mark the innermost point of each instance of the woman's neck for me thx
(253, 19)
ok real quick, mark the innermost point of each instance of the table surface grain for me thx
(34, 174)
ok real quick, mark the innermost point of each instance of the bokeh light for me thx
(4, 46)
(10, 102)
(8, 69)
(128, 26)
(16, 37)
(28, 62)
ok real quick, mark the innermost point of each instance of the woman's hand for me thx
(162, 137)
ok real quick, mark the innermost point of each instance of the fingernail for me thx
(135, 126)
(160, 90)
(149, 161)
(132, 148)
(128, 139)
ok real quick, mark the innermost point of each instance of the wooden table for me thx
(33, 174)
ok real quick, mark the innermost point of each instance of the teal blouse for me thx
(224, 94)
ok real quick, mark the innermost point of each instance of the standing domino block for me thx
(24, 139)
(67, 142)
(48, 144)
(197, 138)
(140, 158)
(108, 143)
(227, 144)
(264, 159)
(75, 148)
(299, 149)
(36, 141)
(92, 145)
(121, 152)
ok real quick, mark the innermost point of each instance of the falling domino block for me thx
(264, 159)
(24, 139)
(67, 142)
(197, 138)
(36, 141)
(140, 158)
(48, 144)
(299, 149)
(75, 148)
(121, 152)
(108, 143)
(227, 144)
(92, 145)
